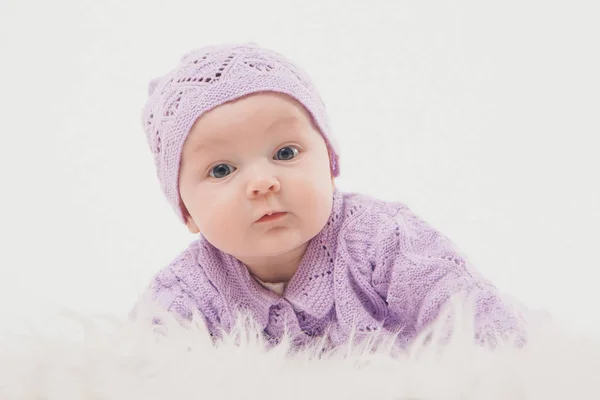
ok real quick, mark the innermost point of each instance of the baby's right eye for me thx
(221, 171)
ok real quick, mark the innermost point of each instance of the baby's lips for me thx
(271, 216)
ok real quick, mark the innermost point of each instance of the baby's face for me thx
(243, 160)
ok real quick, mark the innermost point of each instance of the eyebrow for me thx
(284, 121)
(203, 145)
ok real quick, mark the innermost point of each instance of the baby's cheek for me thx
(217, 231)
(219, 222)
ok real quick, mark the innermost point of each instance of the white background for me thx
(481, 116)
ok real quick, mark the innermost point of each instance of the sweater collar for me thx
(311, 288)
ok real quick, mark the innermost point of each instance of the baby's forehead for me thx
(231, 129)
(258, 109)
(260, 117)
(208, 139)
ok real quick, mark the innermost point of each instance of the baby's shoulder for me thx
(368, 217)
(366, 206)
(182, 285)
(374, 227)
(376, 217)
(369, 223)
(182, 269)
(187, 272)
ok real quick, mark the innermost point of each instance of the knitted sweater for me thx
(375, 265)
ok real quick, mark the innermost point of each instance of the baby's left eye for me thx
(286, 153)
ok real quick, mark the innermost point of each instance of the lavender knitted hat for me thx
(208, 77)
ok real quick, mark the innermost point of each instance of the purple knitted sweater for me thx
(374, 266)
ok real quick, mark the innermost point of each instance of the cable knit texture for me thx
(208, 77)
(375, 265)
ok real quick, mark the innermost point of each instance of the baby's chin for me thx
(269, 246)
(275, 247)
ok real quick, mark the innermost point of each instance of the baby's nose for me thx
(263, 185)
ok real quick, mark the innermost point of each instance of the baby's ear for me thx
(189, 221)
(191, 225)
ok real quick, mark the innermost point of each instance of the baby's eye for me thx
(286, 153)
(221, 171)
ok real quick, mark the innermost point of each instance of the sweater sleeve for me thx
(181, 290)
(165, 293)
(418, 270)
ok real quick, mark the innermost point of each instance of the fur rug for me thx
(103, 359)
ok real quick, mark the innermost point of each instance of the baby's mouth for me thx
(272, 217)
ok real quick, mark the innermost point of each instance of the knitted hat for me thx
(211, 76)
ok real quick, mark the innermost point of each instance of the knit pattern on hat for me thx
(208, 77)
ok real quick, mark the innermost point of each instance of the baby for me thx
(245, 155)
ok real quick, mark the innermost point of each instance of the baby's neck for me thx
(280, 268)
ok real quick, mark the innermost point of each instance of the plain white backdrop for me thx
(481, 116)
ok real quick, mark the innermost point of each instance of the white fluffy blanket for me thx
(99, 359)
